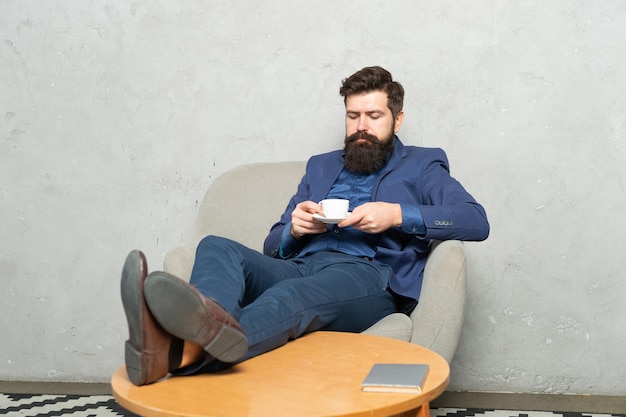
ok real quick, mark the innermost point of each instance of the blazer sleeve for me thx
(448, 210)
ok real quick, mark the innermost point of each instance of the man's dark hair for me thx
(372, 79)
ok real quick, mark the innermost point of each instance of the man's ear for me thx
(399, 120)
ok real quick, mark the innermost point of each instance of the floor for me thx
(44, 405)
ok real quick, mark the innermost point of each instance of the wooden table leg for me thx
(423, 411)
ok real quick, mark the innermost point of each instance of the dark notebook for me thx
(396, 377)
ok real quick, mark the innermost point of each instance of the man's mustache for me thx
(362, 135)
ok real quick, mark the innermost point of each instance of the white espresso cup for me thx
(335, 208)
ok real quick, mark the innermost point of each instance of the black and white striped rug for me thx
(31, 405)
(44, 405)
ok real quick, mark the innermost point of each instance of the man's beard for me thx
(367, 157)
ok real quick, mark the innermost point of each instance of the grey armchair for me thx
(230, 208)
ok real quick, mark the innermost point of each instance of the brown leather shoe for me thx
(151, 352)
(185, 313)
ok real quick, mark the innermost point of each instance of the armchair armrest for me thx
(179, 260)
(439, 315)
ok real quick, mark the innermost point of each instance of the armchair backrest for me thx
(243, 203)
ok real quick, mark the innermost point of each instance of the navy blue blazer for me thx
(414, 176)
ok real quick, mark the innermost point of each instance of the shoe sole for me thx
(181, 312)
(135, 267)
(148, 348)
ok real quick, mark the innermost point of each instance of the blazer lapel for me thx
(326, 176)
(396, 156)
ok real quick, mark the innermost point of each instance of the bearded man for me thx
(312, 275)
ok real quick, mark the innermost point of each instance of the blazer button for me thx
(443, 223)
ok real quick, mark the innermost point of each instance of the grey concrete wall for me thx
(115, 117)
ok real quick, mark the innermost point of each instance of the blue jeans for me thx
(276, 300)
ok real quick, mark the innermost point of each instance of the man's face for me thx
(370, 128)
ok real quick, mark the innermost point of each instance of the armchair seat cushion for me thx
(395, 326)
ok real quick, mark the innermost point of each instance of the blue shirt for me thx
(358, 189)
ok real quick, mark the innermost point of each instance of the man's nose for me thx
(362, 124)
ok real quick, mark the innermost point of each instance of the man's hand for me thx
(302, 221)
(374, 217)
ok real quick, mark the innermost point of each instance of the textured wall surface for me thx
(114, 118)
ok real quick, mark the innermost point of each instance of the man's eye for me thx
(353, 116)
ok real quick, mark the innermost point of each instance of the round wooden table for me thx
(319, 374)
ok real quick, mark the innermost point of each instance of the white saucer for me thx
(321, 218)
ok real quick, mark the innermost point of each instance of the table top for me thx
(319, 374)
